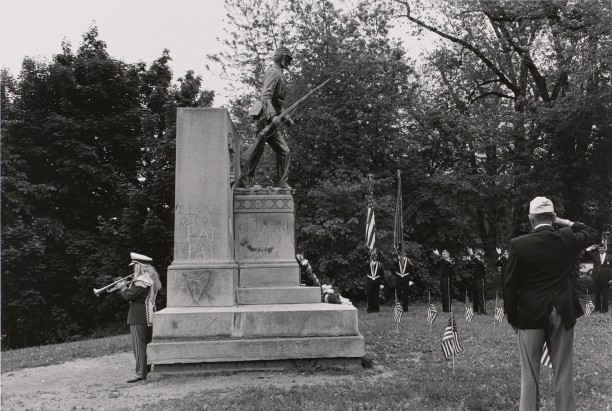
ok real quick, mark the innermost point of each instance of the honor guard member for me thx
(373, 283)
(602, 268)
(402, 279)
(446, 266)
(478, 280)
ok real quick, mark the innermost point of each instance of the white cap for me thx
(140, 259)
(541, 205)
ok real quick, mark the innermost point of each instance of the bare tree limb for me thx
(502, 77)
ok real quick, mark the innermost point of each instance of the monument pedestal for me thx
(234, 296)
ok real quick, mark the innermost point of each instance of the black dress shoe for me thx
(136, 379)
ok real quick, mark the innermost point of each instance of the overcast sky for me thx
(133, 30)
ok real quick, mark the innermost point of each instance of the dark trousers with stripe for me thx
(142, 334)
(446, 294)
(600, 290)
(373, 294)
(478, 296)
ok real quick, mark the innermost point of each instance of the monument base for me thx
(234, 355)
(248, 337)
(199, 369)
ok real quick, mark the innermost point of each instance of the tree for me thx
(528, 99)
(88, 176)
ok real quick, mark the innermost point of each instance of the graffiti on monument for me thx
(195, 283)
(198, 231)
(261, 238)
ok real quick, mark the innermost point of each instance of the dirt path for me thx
(99, 384)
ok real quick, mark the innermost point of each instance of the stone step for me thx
(260, 349)
(269, 275)
(278, 295)
(256, 321)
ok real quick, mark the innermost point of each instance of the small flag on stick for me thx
(590, 307)
(431, 312)
(469, 311)
(499, 311)
(398, 311)
(499, 314)
(450, 340)
(545, 357)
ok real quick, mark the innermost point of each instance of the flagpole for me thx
(450, 303)
(430, 330)
(495, 310)
(451, 310)
(484, 301)
(466, 302)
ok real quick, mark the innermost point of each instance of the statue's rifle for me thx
(263, 134)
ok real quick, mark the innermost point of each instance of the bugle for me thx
(111, 287)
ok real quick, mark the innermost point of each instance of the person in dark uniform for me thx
(446, 266)
(502, 260)
(541, 302)
(141, 293)
(402, 279)
(602, 269)
(478, 280)
(373, 283)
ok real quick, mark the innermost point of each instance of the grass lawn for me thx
(409, 371)
(13, 360)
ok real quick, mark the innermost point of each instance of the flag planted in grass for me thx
(431, 313)
(499, 314)
(469, 312)
(545, 357)
(450, 339)
(590, 307)
(398, 311)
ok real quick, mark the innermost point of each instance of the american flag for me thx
(431, 313)
(450, 340)
(469, 312)
(589, 306)
(499, 314)
(398, 311)
(370, 237)
(545, 357)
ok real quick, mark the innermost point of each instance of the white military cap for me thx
(140, 259)
(541, 205)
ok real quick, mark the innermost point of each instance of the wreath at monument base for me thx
(328, 295)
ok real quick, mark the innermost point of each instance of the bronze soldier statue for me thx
(267, 112)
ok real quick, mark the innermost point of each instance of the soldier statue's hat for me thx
(280, 52)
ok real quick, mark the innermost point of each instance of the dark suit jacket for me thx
(601, 271)
(538, 275)
(137, 296)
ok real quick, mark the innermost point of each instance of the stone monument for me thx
(234, 296)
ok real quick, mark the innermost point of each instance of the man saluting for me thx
(540, 300)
